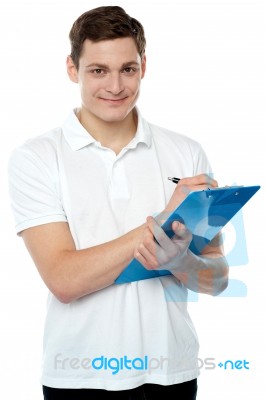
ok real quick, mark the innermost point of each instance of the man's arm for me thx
(69, 273)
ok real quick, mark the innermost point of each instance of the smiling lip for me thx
(114, 101)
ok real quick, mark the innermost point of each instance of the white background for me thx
(205, 78)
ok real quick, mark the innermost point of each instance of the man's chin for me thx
(115, 116)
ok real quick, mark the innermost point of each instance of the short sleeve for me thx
(201, 162)
(34, 194)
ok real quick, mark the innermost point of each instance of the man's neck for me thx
(113, 135)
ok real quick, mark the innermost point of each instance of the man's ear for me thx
(143, 66)
(72, 70)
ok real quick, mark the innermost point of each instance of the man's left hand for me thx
(162, 253)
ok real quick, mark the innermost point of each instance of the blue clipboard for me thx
(204, 213)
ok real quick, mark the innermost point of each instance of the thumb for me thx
(181, 231)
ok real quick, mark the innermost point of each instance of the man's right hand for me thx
(187, 185)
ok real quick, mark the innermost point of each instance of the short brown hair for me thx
(105, 23)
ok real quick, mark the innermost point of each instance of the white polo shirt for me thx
(125, 335)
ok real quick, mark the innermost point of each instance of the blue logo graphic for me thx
(236, 256)
(238, 364)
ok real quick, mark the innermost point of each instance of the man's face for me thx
(109, 75)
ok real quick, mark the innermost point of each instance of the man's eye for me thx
(98, 71)
(129, 70)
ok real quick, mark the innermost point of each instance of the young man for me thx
(83, 197)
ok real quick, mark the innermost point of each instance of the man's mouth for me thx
(114, 101)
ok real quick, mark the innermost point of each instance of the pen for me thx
(175, 180)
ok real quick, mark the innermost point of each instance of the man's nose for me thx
(115, 83)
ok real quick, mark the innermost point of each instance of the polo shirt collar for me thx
(78, 137)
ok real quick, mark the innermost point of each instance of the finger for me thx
(148, 255)
(146, 258)
(146, 251)
(184, 190)
(202, 179)
(158, 233)
(181, 231)
(149, 239)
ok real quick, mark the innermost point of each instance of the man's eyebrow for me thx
(130, 63)
(97, 65)
(105, 66)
